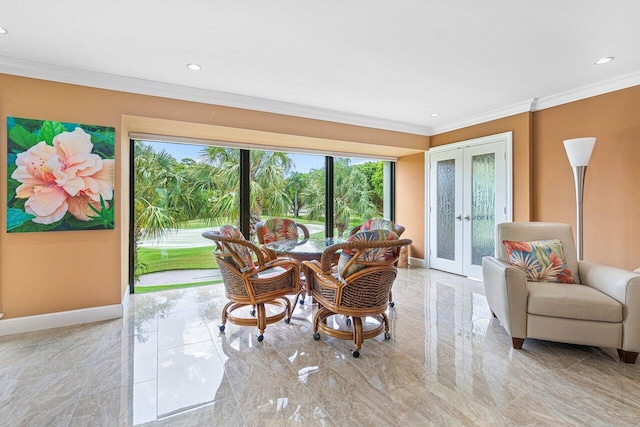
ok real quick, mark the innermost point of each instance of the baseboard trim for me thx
(417, 262)
(59, 319)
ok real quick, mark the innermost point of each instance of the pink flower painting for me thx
(64, 180)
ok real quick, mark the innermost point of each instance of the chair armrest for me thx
(624, 287)
(609, 280)
(506, 290)
(269, 254)
(313, 266)
(323, 277)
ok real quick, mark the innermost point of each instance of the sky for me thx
(303, 162)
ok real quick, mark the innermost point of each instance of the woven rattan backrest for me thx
(362, 254)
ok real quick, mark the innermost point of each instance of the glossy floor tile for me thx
(448, 362)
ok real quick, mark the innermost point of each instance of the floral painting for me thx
(60, 176)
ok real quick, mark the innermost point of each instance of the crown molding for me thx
(38, 70)
(537, 104)
(510, 110)
(605, 86)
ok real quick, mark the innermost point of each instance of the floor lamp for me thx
(579, 152)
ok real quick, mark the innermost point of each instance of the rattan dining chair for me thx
(276, 229)
(359, 289)
(252, 280)
(380, 224)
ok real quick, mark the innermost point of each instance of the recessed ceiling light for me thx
(435, 114)
(3, 30)
(604, 60)
(194, 67)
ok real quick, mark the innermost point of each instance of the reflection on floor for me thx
(448, 363)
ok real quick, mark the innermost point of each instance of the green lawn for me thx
(157, 260)
(176, 259)
(144, 289)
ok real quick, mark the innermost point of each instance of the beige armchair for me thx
(601, 309)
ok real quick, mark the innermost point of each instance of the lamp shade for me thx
(579, 150)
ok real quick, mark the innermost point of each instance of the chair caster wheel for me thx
(392, 304)
(356, 353)
(316, 336)
(348, 321)
(287, 320)
(260, 338)
(387, 336)
(221, 327)
(253, 312)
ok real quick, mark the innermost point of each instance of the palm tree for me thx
(267, 174)
(296, 182)
(352, 197)
(156, 187)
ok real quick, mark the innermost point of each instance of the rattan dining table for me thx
(305, 250)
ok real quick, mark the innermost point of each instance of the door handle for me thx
(467, 218)
(459, 217)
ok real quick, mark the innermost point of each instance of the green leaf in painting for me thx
(12, 184)
(22, 137)
(105, 215)
(16, 217)
(30, 226)
(72, 223)
(49, 130)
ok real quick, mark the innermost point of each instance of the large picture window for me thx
(180, 190)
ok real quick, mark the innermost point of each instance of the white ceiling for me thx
(387, 64)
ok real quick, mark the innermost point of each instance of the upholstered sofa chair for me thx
(602, 307)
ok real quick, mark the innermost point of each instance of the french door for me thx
(469, 193)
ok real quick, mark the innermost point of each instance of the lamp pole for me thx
(578, 177)
(579, 152)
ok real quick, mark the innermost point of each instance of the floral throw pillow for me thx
(372, 254)
(242, 251)
(275, 229)
(376, 224)
(540, 260)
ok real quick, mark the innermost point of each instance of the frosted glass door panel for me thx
(469, 193)
(485, 203)
(445, 206)
(446, 196)
(483, 206)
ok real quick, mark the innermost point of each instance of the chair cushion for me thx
(376, 224)
(271, 272)
(242, 251)
(572, 301)
(540, 260)
(279, 229)
(373, 254)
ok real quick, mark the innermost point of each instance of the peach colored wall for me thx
(410, 191)
(611, 203)
(520, 125)
(51, 272)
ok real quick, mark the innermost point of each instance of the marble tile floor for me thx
(447, 363)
